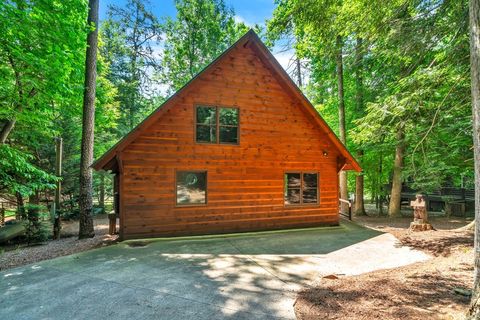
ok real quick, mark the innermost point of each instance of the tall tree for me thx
(474, 10)
(341, 116)
(414, 95)
(395, 195)
(359, 106)
(86, 229)
(131, 36)
(410, 84)
(191, 43)
(40, 55)
(34, 32)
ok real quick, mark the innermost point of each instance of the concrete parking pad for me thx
(241, 276)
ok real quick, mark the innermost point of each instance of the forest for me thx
(394, 85)
(392, 78)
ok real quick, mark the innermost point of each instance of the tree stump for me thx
(420, 220)
(420, 225)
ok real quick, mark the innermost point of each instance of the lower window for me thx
(191, 187)
(301, 188)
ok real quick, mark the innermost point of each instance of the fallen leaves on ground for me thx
(15, 256)
(424, 290)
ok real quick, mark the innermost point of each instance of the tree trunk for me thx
(57, 224)
(20, 206)
(101, 196)
(474, 8)
(299, 73)
(341, 98)
(7, 128)
(359, 187)
(395, 196)
(359, 179)
(379, 184)
(341, 118)
(86, 199)
(34, 198)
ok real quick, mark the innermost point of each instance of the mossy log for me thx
(11, 231)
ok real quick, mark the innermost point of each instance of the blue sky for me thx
(251, 11)
(248, 11)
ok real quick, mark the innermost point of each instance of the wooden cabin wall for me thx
(245, 181)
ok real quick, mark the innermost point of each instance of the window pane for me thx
(207, 115)
(310, 180)
(191, 187)
(310, 196)
(292, 196)
(293, 180)
(206, 133)
(229, 116)
(228, 134)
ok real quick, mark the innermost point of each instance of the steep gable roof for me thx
(108, 160)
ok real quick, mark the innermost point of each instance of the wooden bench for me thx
(455, 201)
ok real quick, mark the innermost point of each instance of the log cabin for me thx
(238, 148)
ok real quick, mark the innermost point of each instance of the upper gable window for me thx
(216, 125)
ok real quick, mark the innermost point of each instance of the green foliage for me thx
(425, 90)
(413, 71)
(39, 65)
(36, 221)
(130, 39)
(17, 174)
(42, 63)
(191, 43)
(415, 77)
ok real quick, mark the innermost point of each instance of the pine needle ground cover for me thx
(433, 289)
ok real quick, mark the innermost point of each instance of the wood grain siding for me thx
(245, 181)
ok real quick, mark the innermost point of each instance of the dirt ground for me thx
(424, 290)
(15, 255)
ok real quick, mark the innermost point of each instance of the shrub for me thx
(37, 224)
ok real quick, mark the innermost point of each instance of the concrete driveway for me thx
(247, 276)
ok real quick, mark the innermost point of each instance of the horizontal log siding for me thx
(245, 181)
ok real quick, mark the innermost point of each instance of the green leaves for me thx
(191, 43)
(130, 45)
(42, 63)
(17, 174)
(40, 52)
(415, 75)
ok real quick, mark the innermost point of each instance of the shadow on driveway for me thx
(247, 276)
